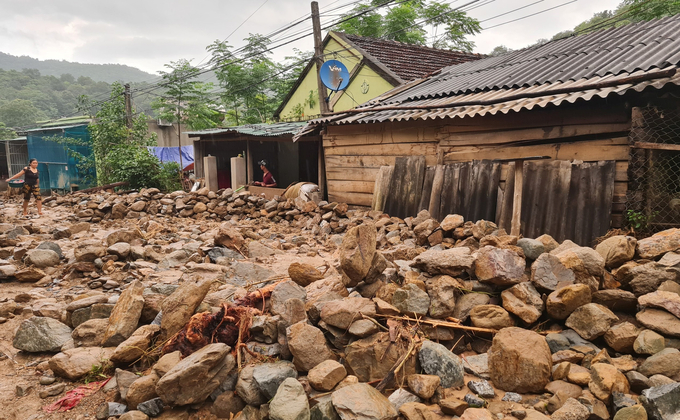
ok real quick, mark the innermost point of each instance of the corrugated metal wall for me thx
(563, 199)
(57, 167)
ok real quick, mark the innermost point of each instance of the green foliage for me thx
(411, 22)
(6, 133)
(500, 50)
(642, 10)
(252, 87)
(20, 113)
(168, 177)
(186, 100)
(639, 220)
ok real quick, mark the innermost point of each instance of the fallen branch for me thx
(103, 187)
(438, 323)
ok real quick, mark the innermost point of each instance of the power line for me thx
(533, 14)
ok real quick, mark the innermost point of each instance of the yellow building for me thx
(375, 66)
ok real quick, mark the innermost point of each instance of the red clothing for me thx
(268, 179)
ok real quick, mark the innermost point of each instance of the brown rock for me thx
(591, 321)
(423, 386)
(661, 300)
(659, 243)
(356, 252)
(578, 375)
(304, 274)
(181, 305)
(659, 321)
(89, 250)
(616, 300)
(194, 378)
(519, 361)
(453, 406)
(451, 262)
(621, 337)
(134, 347)
(371, 358)
(362, 401)
(417, 411)
(586, 263)
(229, 236)
(468, 301)
(499, 266)
(548, 272)
(452, 221)
(564, 388)
(605, 379)
(29, 275)
(308, 346)
(76, 363)
(90, 333)
(325, 375)
(443, 291)
(125, 315)
(491, 316)
(562, 302)
(477, 414)
(342, 313)
(143, 389)
(524, 301)
(617, 250)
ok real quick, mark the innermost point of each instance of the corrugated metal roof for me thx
(420, 61)
(55, 127)
(259, 130)
(641, 46)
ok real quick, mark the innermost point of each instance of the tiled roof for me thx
(407, 61)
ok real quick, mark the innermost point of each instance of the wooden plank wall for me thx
(586, 132)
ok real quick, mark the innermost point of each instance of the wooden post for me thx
(249, 162)
(517, 198)
(318, 58)
(128, 106)
(322, 169)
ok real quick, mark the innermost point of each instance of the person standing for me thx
(31, 185)
(267, 179)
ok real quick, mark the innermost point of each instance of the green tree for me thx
(6, 133)
(20, 113)
(500, 50)
(119, 152)
(641, 10)
(251, 86)
(412, 21)
(186, 100)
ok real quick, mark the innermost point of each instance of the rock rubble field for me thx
(224, 305)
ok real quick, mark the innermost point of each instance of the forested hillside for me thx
(98, 72)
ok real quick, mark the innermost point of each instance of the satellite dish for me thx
(334, 75)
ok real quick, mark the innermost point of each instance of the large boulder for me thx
(644, 278)
(308, 346)
(194, 378)
(606, 379)
(452, 262)
(342, 313)
(356, 252)
(659, 243)
(443, 292)
(362, 401)
(75, 364)
(520, 361)
(125, 315)
(591, 321)
(491, 316)
(524, 301)
(40, 334)
(662, 402)
(499, 266)
(435, 359)
(269, 376)
(179, 307)
(617, 250)
(547, 272)
(411, 300)
(371, 358)
(290, 402)
(42, 258)
(660, 321)
(669, 301)
(562, 302)
(229, 236)
(89, 250)
(586, 263)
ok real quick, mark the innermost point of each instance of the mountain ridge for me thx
(108, 73)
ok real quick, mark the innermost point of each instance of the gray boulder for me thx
(40, 334)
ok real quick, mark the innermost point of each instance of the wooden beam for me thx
(249, 162)
(517, 198)
(657, 146)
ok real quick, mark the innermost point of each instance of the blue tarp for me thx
(171, 154)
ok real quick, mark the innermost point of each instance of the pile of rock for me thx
(415, 318)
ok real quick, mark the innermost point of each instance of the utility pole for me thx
(128, 106)
(179, 137)
(318, 58)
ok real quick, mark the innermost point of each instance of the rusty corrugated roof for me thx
(611, 62)
(409, 61)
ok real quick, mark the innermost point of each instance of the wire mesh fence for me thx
(653, 197)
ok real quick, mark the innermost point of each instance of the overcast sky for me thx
(149, 33)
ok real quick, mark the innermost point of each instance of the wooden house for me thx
(375, 65)
(591, 121)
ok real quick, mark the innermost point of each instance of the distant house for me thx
(375, 65)
(600, 111)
